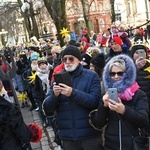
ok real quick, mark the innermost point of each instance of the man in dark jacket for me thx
(74, 103)
(142, 72)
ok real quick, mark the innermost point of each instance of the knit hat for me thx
(86, 58)
(42, 60)
(84, 31)
(117, 40)
(74, 43)
(98, 61)
(137, 47)
(34, 56)
(36, 49)
(72, 50)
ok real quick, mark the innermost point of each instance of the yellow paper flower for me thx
(32, 77)
(147, 69)
(64, 32)
(22, 96)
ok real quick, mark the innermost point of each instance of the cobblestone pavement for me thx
(46, 142)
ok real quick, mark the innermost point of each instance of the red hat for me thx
(84, 39)
(117, 40)
(84, 31)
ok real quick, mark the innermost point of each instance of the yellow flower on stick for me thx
(64, 32)
(22, 96)
(32, 77)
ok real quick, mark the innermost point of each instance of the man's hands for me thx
(62, 89)
(114, 106)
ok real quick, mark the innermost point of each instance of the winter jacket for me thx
(111, 53)
(135, 116)
(13, 130)
(72, 112)
(144, 82)
(19, 83)
(136, 109)
(125, 39)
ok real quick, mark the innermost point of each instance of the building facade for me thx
(98, 12)
(127, 12)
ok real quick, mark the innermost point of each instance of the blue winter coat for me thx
(73, 111)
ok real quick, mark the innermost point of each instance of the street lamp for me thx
(30, 10)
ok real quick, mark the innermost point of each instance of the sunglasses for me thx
(112, 74)
(71, 59)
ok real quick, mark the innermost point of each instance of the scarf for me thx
(129, 92)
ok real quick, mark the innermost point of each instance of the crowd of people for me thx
(82, 114)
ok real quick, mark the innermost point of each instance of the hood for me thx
(128, 77)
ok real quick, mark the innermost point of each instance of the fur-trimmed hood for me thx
(128, 77)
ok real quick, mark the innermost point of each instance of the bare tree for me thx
(86, 5)
(30, 21)
(57, 11)
(8, 16)
(113, 17)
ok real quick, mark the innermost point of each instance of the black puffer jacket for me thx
(144, 82)
(136, 109)
(13, 130)
(135, 117)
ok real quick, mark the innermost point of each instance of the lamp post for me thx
(30, 10)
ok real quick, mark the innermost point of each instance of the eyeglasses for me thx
(112, 74)
(71, 59)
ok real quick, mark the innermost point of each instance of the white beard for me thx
(70, 68)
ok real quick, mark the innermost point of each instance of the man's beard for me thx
(71, 67)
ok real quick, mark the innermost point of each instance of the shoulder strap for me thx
(125, 127)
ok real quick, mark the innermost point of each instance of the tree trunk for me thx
(57, 11)
(28, 18)
(113, 17)
(85, 15)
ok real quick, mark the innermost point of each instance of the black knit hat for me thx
(137, 47)
(98, 61)
(86, 58)
(72, 50)
(74, 43)
(36, 49)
